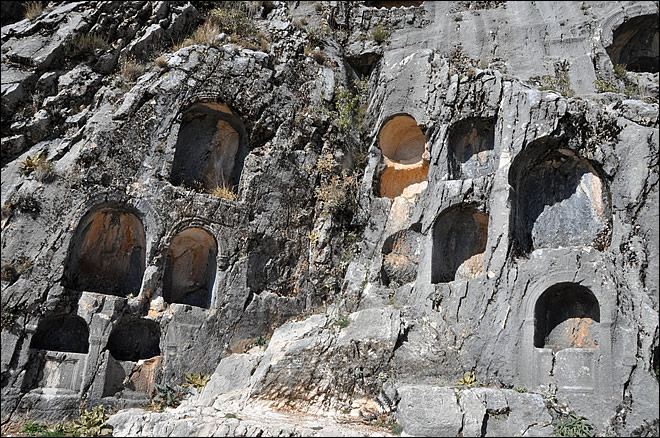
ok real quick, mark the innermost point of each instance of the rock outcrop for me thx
(441, 217)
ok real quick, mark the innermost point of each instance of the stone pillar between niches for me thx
(405, 156)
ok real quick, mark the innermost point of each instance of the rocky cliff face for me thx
(338, 209)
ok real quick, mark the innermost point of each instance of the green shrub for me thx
(573, 425)
(92, 422)
(343, 321)
(197, 381)
(397, 429)
(167, 395)
(84, 44)
(379, 34)
(605, 85)
(33, 428)
(620, 71)
(520, 389)
(262, 341)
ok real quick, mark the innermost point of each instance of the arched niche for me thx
(405, 157)
(559, 199)
(566, 315)
(635, 44)
(393, 4)
(108, 252)
(470, 153)
(190, 268)
(401, 253)
(460, 235)
(67, 333)
(133, 339)
(210, 148)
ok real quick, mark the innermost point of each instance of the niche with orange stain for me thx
(108, 253)
(566, 316)
(405, 157)
(190, 268)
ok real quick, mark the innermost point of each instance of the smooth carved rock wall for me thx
(560, 200)
(636, 44)
(190, 268)
(108, 253)
(404, 154)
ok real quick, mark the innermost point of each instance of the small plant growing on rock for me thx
(469, 379)
(343, 321)
(84, 44)
(573, 425)
(33, 428)
(34, 164)
(197, 381)
(161, 61)
(32, 11)
(520, 389)
(92, 422)
(379, 34)
(605, 85)
(224, 191)
(167, 395)
(620, 71)
(131, 71)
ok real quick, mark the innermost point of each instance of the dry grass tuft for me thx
(33, 10)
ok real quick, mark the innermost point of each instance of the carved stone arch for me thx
(635, 44)
(460, 234)
(108, 251)
(68, 333)
(471, 144)
(559, 199)
(211, 147)
(190, 268)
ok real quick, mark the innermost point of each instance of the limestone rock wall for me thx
(509, 227)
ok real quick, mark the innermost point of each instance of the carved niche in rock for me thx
(559, 199)
(190, 268)
(210, 148)
(459, 241)
(405, 157)
(108, 252)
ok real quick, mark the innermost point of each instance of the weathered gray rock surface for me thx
(484, 201)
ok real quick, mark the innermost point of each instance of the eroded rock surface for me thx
(357, 216)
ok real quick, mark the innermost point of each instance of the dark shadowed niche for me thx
(211, 147)
(566, 316)
(108, 252)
